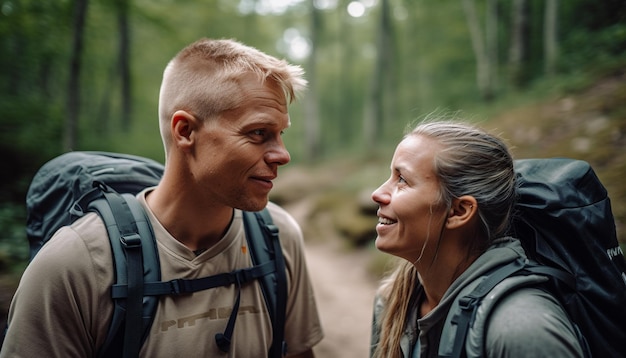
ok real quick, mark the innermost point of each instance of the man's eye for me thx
(259, 132)
(401, 180)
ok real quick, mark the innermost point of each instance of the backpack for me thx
(75, 183)
(565, 224)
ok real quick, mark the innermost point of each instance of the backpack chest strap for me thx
(185, 286)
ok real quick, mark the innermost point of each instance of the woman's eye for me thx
(401, 179)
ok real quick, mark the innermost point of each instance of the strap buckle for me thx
(131, 241)
(467, 303)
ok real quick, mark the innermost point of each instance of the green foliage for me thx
(14, 249)
(434, 69)
(598, 49)
(29, 135)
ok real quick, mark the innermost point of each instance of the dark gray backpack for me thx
(75, 183)
(566, 226)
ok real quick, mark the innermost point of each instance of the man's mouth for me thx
(265, 181)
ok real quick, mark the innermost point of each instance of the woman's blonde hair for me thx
(471, 162)
(203, 79)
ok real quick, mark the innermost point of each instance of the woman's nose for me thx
(380, 195)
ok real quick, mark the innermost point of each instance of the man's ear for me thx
(463, 210)
(183, 125)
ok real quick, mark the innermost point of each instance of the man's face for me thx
(237, 156)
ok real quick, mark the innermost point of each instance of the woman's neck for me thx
(437, 278)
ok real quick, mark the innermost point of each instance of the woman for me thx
(444, 211)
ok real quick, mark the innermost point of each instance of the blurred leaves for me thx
(432, 68)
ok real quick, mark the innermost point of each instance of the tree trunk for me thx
(346, 89)
(374, 113)
(123, 9)
(483, 76)
(73, 91)
(518, 51)
(491, 30)
(312, 124)
(550, 41)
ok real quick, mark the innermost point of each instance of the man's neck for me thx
(195, 224)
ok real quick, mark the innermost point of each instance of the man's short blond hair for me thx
(202, 79)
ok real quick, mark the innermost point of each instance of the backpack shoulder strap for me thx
(476, 334)
(136, 263)
(263, 241)
(136, 260)
(464, 331)
(463, 310)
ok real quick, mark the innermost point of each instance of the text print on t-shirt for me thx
(213, 313)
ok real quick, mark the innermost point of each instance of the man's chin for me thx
(254, 205)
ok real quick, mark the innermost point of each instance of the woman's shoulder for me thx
(524, 306)
(530, 321)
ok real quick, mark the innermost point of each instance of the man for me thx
(222, 112)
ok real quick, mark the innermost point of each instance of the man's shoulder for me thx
(88, 228)
(289, 230)
(79, 252)
(85, 238)
(283, 219)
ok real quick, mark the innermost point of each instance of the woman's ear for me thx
(183, 124)
(463, 210)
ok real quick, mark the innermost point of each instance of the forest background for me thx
(548, 75)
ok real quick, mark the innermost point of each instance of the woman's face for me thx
(410, 216)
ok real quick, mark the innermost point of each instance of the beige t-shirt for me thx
(63, 306)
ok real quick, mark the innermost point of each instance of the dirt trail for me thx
(344, 291)
(344, 295)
